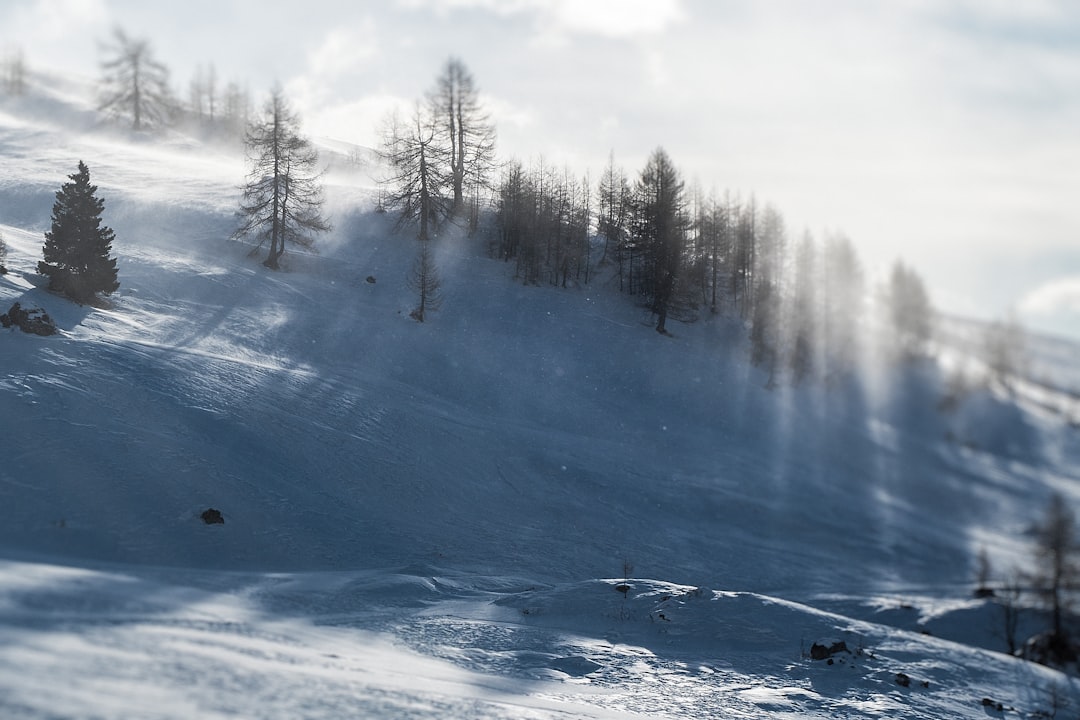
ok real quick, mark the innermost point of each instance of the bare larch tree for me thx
(416, 184)
(467, 132)
(425, 281)
(283, 198)
(134, 84)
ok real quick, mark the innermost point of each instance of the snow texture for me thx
(419, 519)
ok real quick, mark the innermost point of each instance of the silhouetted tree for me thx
(909, 312)
(1055, 574)
(425, 281)
(765, 330)
(843, 287)
(543, 223)
(613, 210)
(77, 246)
(1004, 350)
(803, 314)
(283, 198)
(203, 93)
(235, 108)
(416, 187)
(465, 131)
(659, 225)
(1009, 600)
(134, 84)
(744, 248)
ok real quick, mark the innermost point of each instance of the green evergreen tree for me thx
(77, 247)
(659, 223)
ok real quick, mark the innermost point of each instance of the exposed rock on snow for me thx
(34, 321)
(212, 516)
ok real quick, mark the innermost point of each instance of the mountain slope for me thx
(523, 438)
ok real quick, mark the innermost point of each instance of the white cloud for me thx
(59, 19)
(1054, 307)
(65, 32)
(357, 122)
(1061, 296)
(609, 18)
(345, 50)
(616, 18)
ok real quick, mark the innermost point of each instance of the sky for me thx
(945, 133)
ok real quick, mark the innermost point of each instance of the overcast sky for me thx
(943, 132)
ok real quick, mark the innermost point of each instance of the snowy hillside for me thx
(425, 519)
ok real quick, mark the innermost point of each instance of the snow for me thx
(425, 520)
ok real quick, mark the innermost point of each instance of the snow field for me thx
(416, 515)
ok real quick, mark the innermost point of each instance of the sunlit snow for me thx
(531, 506)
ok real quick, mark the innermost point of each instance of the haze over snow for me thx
(942, 132)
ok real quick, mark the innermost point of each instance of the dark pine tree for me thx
(77, 247)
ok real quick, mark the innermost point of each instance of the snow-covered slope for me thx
(416, 516)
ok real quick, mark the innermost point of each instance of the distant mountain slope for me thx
(416, 516)
(530, 427)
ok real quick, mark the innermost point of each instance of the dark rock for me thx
(370, 279)
(988, 703)
(824, 651)
(903, 680)
(623, 588)
(34, 321)
(211, 516)
(982, 593)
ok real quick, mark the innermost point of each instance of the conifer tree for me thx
(909, 311)
(1056, 573)
(283, 198)
(77, 247)
(425, 281)
(466, 133)
(660, 226)
(134, 84)
(416, 185)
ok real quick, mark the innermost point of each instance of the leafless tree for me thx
(134, 84)
(283, 198)
(1056, 573)
(659, 223)
(1004, 350)
(1009, 600)
(236, 107)
(416, 187)
(842, 288)
(204, 93)
(13, 73)
(425, 281)
(910, 314)
(803, 316)
(467, 132)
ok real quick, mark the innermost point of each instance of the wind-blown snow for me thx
(416, 516)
